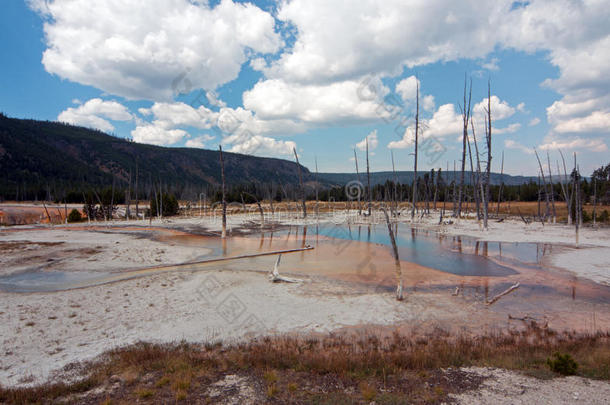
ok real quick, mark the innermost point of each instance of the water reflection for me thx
(462, 256)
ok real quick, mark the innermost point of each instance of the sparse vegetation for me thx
(347, 369)
(167, 206)
(563, 363)
(74, 216)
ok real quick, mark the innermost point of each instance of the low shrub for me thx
(74, 216)
(563, 364)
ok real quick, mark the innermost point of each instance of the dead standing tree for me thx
(548, 159)
(414, 200)
(301, 184)
(359, 183)
(465, 121)
(317, 196)
(224, 200)
(136, 193)
(546, 190)
(567, 193)
(395, 193)
(474, 179)
(368, 177)
(577, 200)
(488, 171)
(479, 185)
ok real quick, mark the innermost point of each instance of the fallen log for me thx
(522, 217)
(275, 274)
(503, 293)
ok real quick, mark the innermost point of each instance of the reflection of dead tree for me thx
(224, 199)
(301, 183)
(275, 275)
(399, 295)
(503, 293)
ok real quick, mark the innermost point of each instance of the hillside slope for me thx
(34, 154)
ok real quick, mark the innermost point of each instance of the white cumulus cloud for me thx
(152, 49)
(372, 139)
(96, 113)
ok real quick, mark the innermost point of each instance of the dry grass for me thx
(348, 369)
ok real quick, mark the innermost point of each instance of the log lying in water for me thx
(502, 294)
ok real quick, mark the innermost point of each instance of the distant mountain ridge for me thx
(406, 177)
(37, 155)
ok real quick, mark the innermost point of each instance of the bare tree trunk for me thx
(546, 190)
(465, 120)
(474, 180)
(454, 193)
(301, 184)
(539, 199)
(224, 192)
(47, 212)
(476, 149)
(594, 200)
(368, 177)
(438, 175)
(395, 196)
(258, 204)
(501, 186)
(416, 143)
(488, 177)
(128, 197)
(160, 198)
(317, 197)
(399, 295)
(576, 189)
(111, 200)
(548, 158)
(136, 191)
(359, 182)
(566, 192)
(86, 204)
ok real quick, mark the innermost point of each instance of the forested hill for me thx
(41, 155)
(42, 159)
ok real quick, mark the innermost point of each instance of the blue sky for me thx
(264, 77)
